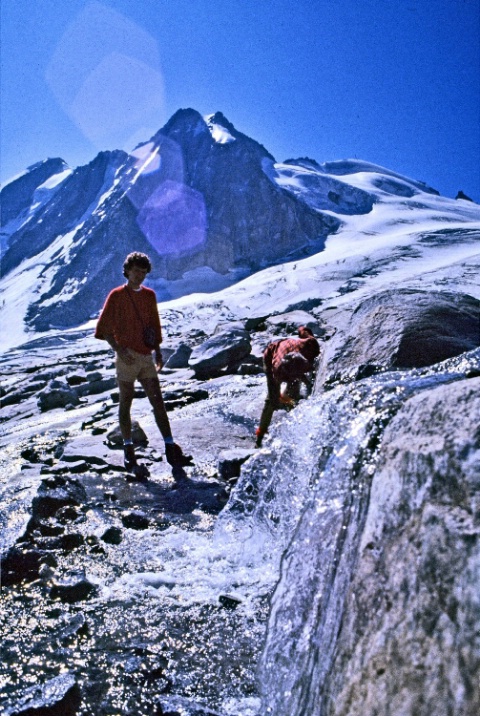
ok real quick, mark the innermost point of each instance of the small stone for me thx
(230, 601)
(76, 589)
(135, 520)
(113, 535)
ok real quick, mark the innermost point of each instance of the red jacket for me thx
(275, 353)
(120, 319)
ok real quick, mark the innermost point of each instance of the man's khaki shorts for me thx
(142, 368)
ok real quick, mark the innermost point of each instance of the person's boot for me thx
(140, 472)
(175, 456)
(260, 434)
(129, 459)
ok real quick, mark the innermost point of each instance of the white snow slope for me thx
(411, 238)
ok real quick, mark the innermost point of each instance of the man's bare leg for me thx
(173, 452)
(126, 391)
(153, 392)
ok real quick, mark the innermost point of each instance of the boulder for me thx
(224, 350)
(180, 357)
(402, 329)
(57, 394)
(139, 437)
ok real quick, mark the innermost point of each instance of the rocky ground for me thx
(73, 520)
(110, 605)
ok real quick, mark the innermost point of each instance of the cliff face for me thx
(377, 603)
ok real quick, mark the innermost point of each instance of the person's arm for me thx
(158, 359)
(123, 353)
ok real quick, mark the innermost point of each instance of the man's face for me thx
(136, 276)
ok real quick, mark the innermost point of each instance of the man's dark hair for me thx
(136, 259)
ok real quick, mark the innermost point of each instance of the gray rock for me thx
(180, 357)
(57, 394)
(386, 604)
(94, 387)
(420, 620)
(139, 437)
(223, 350)
(404, 328)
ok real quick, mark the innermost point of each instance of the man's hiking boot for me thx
(138, 472)
(175, 456)
(259, 434)
(129, 459)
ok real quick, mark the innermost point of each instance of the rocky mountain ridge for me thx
(209, 204)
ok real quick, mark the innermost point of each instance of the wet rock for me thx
(67, 514)
(113, 535)
(230, 601)
(77, 625)
(56, 493)
(380, 639)
(47, 528)
(180, 357)
(18, 565)
(59, 696)
(64, 543)
(75, 589)
(135, 520)
(403, 329)
(223, 350)
(230, 462)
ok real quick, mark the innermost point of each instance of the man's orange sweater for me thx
(120, 319)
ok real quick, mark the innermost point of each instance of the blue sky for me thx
(393, 82)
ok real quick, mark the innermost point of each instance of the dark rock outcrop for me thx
(402, 329)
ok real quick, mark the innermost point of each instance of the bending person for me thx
(290, 361)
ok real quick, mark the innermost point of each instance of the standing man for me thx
(130, 324)
(290, 361)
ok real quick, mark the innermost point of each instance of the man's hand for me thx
(158, 359)
(125, 355)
